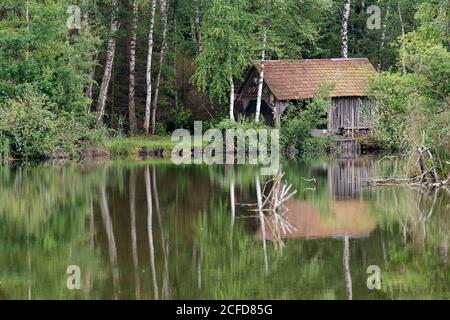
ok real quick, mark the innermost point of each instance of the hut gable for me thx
(300, 79)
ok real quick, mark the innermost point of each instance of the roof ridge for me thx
(315, 59)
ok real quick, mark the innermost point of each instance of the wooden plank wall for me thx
(350, 113)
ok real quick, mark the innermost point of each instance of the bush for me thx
(243, 124)
(29, 129)
(297, 124)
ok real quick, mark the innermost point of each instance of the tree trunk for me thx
(132, 83)
(27, 18)
(403, 35)
(164, 11)
(383, 40)
(89, 87)
(101, 103)
(344, 29)
(197, 34)
(261, 79)
(231, 98)
(148, 101)
(175, 53)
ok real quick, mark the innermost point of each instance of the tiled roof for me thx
(300, 79)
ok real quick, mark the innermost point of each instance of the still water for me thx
(152, 230)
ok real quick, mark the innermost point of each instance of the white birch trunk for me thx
(232, 97)
(383, 40)
(148, 101)
(261, 79)
(197, 34)
(132, 83)
(27, 18)
(175, 53)
(101, 103)
(344, 29)
(402, 26)
(164, 11)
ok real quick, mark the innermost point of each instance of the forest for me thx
(77, 74)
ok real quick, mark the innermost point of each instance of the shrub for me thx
(297, 124)
(30, 130)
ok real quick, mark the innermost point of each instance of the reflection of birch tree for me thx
(137, 281)
(347, 275)
(151, 246)
(261, 220)
(164, 241)
(112, 248)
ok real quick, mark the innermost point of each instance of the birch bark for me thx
(232, 97)
(148, 101)
(132, 81)
(101, 103)
(164, 11)
(261, 79)
(344, 28)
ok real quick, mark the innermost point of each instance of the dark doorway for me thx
(266, 112)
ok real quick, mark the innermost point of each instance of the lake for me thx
(147, 229)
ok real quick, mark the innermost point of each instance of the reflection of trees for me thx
(132, 196)
(44, 214)
(417, 264)
(112, 248)
(164, 240)
(148, 189)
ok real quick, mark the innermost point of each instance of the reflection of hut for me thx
(346, 178)
(346, 218)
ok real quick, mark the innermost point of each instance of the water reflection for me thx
(145, 230)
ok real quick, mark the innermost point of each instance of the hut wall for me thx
(350, 113)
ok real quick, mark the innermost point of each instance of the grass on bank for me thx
(133, 145)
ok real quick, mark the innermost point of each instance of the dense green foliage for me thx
(414, 105)
(30, 128)
(43, 68)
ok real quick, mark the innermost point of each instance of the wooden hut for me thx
(299, 80)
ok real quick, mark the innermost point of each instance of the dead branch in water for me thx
(271, 207)
(425, 168)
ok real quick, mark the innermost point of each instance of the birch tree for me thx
(164, 16)
(174, 47)
(344, 29)
(110, 52)
(261, 78)
(148, 101)
(226, 49)
(132, 81)
(383, 38)
(197, 32)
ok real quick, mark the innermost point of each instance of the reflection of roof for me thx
(301, 79)
(348, 217)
